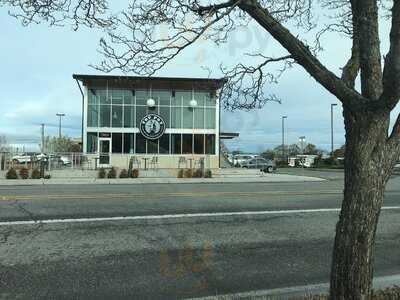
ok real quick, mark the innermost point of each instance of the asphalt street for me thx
(173, 255)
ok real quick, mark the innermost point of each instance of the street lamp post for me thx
(283, 136)
(60, 115)
(332, 105)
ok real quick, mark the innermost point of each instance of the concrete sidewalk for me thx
(266, 178)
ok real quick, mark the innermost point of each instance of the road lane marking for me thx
(177, 194)
(181, 216)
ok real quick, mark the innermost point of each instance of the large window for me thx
(116, 143)
(129, 143)
(210, 143)
(176, 143)
(105, 114)
(164, 144)
(91, 142)
(198, 144)
(187, 143)
(188, 117)
(140, 144)
(117, 116)
(152, 146)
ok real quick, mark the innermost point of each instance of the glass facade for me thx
(122, 109)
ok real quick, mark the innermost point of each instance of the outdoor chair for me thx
(199, 163)
(182, 161)
(135, 162)
(154, 162)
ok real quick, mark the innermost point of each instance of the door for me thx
(104, 152)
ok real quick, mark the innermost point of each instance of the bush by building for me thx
(35, 174)
(24, 173)
(198, 173)
(102, 173)
(135, 173)
(188, 173)
(208, 174)
(112, 173)
(180, 173)
(11, 174)
(123, 174)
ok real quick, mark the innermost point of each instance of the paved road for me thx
(175, 257)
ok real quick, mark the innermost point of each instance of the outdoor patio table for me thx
(145, 162)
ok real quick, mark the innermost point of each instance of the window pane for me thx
(105, 115)
(93, 96)
(210, 118)
(198, 118)
(187, 117)
(187, 140)
(199, 144)
(140, 113)
(164, 113)
(210, 100)
(117, 143)
(186, 96)
(164, 144)
(176, 114)
(116, 116)
(175, 144)
(162, 97)
(129, 98)
(102, 94)
(152, 146)
(210, 144)
(91, 142)
(129, 143)
(141, 97)
(129, 116)
(200, 97)
(117, 96)
(140, 143)
(93, 116)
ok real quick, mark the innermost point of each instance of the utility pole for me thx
(42, 131)
(332, 105)
(59, 127)
(283, 136)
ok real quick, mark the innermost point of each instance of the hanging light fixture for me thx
(151, 103)
(193, 102)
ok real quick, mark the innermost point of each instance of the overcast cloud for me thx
(37, 64)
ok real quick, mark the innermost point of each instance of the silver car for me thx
(265, 165)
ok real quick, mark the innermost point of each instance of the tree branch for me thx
(303, 55)
(391, 74)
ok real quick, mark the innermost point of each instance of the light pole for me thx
(283, 136)
(332, 105)
(59, 127)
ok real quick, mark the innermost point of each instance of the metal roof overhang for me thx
(140, 82)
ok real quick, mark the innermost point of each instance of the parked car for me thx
(26, 157)
(239, 159)
(265, 165)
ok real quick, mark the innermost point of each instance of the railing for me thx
(53, 161)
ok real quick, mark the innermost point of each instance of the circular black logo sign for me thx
(152, 126)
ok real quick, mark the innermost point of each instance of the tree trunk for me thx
(367, 169)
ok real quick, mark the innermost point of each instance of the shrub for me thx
(112, 173)
(24, 173)
(11, 174)
(102, 173)
(208, 174)
(188, 173)
(35, 174)
(180, 173)
(123, 174)
(198, 173)
(135, 173)
(48, 176)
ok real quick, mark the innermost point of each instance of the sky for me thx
(37, 63)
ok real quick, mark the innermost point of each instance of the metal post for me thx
(332, 105)
(59, 128)
(283, 137)
(43, 150)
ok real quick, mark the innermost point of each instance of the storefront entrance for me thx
(104, 152)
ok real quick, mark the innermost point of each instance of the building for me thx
(175, 120)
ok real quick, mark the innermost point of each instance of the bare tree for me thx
(4, 145)
(134, 45)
